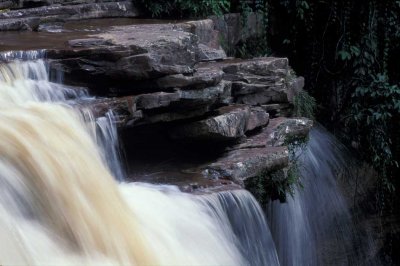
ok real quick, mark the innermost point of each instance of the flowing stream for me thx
(63, 200)
(61, 203)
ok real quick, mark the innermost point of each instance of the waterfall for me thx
(61, 205)
(315, 226)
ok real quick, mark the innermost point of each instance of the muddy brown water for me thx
(34, 40)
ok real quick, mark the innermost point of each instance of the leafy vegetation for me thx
(304, 105)
(278, 184)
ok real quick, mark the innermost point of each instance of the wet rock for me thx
(228, 124)
(278, 109)
(266, 66)
(207, 53)
(54, 27)
(156, 100)
(209, 39)
(239, 165)
(296, 84)
(263, 151)
(134, 52)
(283, 130)
(201, 78)
(258, 118)
(31, 18)
(89, 42)
(277, 93)
(4, 4)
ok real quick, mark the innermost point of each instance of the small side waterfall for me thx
(248, 227)
(315, 227)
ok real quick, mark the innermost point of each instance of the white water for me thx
(60, 205)
(315, 226)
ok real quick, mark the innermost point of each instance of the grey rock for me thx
(278, 109)
(207, 53)
(32, 17)
(229, 124)
(283, 130)
(243, 88)
(134, 52)
(5, 4)
(156, 100)
(258, 118)
(203, 77)
(265, 66)
(296, 84)
(209, 39)
(89, 42)
(275, 94)
(239, 165)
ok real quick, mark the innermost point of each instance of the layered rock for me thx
(172, 85)
(60, 11)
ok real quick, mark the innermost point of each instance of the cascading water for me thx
(315, 226)
(59, 203)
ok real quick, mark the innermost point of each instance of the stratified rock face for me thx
(161, 79)
(175, 79)
(52, 11)
(254, 154)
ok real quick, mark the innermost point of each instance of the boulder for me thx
(282, 130)
(257, 118)
(125, 53)
(229, 123)
(239, 165)
(209, 39)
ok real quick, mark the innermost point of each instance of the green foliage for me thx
(347, 51)
(184, 8)
(304, 105)
(278, 184)
(374, 106)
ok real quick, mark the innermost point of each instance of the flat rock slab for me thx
(159, 107)
(133, 52)
(239, 165)
(229, 123)
(31, 18)
(202, 77)
(282, 130)
(258, 81)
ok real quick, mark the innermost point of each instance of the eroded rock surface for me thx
(30, 18)
(170, 85)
